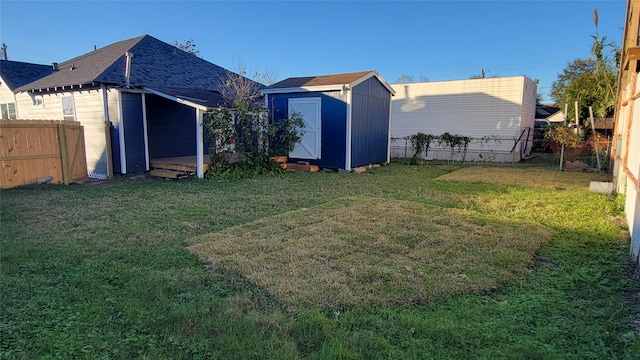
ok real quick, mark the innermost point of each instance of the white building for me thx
(497, 113)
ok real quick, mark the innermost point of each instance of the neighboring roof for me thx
(154, 64)
(17, 73)
(324, 82)
(545, 111)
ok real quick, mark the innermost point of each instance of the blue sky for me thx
(439, 40)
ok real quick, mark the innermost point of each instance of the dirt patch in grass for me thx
(373, 251)
(526, 177)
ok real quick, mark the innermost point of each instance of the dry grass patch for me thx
(373, 251)
(526, 177)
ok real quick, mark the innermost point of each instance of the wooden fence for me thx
(31, 150)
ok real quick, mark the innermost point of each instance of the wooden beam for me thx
(168, 174)
(176, 167)
(633, 53)
(30, 157)
(303, 167)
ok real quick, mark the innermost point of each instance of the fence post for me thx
(595, 138)
(64, 156)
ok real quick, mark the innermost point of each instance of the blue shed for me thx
(347, 117)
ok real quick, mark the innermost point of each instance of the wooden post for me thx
(107, 130)
(64, 155)
(577, 115)
(107, 136)
(595, 140)
(564, 123)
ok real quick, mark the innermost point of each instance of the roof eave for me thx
(332, 87)
(55, 88)
(335, 87)
(176, 99)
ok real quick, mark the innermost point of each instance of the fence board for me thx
(34, 149)
(76, 150)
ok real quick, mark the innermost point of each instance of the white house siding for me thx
(632, 203)
(88, 111)
(626, 146)
(626, 167)
(478, 108)
(557, 117)
(527, 117)
(6, 95)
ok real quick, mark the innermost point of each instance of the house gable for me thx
(15, 73)
(12, 75)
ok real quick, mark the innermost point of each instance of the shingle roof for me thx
(16, 73)
(324, 82)
(207, 98)
(336, 79)
(154, 64)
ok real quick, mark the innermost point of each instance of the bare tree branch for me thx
(240, 85)
(187, 46)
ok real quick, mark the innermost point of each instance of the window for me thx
(8, 111)
(68, 108)
(38, 100)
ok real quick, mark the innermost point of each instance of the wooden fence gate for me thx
(35, 149)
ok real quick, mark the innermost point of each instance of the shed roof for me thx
(324, 82)
(154, 64)
(203, 99)
(17, 73)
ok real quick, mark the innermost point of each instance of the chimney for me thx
(127, 69)
(95, 48)
(55, 66)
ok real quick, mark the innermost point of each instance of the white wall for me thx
(632, 203)
(88, 111)
(477, 108)
(6, 95)
(528, 114)
(626, 167)
(557, 117)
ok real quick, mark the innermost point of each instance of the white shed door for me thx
(309, 147)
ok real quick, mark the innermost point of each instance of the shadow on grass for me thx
(101, 271)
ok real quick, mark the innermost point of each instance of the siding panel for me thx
(370, 123)
(133, 132)
(171, 128)
(89, 112)
(476, 108)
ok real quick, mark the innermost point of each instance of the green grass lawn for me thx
(401, 262)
